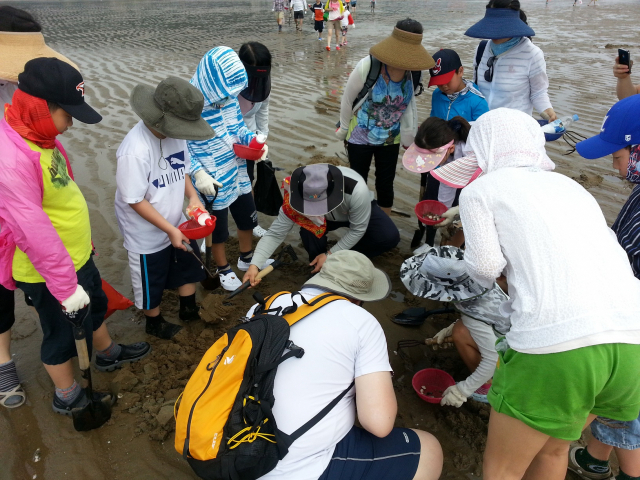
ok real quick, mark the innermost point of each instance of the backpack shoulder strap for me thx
(272, 298)
(311, 306)
(418, 88)
(372, 78)
(479, 52)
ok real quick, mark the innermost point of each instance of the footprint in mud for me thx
(588, 180)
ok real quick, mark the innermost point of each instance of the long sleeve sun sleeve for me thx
(483, 255)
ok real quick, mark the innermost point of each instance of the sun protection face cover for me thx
(422, 160)
(620, 128)
(259, 86)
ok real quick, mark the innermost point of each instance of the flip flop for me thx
(16, 392)
(411, 317)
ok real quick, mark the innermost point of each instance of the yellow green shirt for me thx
(67, 209)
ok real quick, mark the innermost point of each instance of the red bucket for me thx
(247, 153)
(432, 382)
(432, 207)
(194, 231)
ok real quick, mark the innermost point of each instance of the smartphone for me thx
(624, 58)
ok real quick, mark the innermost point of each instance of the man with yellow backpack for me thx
(303, 426)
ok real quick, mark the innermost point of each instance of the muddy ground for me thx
(120, 43)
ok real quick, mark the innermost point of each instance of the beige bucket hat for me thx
(352, 274)
(403, 50)
(17, 48)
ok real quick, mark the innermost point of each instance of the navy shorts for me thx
(361, 455)
(318, 25)
(299, 15)
(244, 214)
(58, 344)
(153, 273)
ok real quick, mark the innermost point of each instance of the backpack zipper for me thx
(185, 449)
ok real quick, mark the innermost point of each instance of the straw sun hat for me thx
(17, 48)
(403, 50)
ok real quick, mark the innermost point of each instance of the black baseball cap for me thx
(447, 62)
(56, 81)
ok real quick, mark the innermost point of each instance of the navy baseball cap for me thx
(56, 81)
(447, 62)
(621, 127)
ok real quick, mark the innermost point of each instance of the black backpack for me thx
(479, 52)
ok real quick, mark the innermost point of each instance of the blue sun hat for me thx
(620, 128)
(500, 23)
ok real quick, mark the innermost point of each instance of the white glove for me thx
(75, 302)
(206, 184)
(341, 133)
(266, 152)
(453, 397)
(444, 333)
(448, 216)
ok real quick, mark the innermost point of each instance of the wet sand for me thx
(120, 43)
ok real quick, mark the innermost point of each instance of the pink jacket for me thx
(23, 221)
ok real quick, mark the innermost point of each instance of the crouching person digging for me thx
(45, 244)
(321, 198)
(305, 404)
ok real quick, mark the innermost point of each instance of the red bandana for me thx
(297, 217)
(29, 116)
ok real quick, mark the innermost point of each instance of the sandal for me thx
(16, 392)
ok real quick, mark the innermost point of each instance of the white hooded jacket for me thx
(570, 282)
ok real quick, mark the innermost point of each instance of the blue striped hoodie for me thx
(220, 77)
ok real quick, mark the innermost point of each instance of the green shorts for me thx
(554, 393)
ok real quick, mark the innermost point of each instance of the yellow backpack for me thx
(224, 425)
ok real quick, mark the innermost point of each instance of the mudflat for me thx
(120, 43)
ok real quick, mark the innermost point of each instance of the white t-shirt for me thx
(341, 342)
(148, 171)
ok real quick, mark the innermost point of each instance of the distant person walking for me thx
(373, 6)
(279, 7)
(298, 7)
(318, 22)
(336, 12)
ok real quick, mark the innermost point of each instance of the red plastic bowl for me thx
(430, 206)
(194, 231)
(435, 382)
(247, 153)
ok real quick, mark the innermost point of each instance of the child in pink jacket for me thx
(45, 243)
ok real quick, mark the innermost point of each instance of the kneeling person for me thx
(320, 198)
(343, 342)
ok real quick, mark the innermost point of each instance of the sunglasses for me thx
(488, 74)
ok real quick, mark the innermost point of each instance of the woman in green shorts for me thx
(573, 350)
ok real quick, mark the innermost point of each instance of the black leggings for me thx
(7, 309)
(386, 158)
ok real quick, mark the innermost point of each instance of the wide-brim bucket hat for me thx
(440, 274)
(500, 23)
(173, 108)
(316, 189)
(403, 50)
(352, 274)
(17, 48)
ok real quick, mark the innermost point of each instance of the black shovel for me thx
(96, 413)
